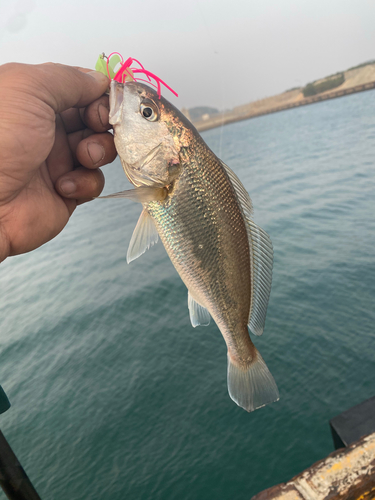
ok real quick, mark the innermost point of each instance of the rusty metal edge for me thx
(298, 488)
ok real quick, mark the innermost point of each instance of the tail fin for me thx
(254, 387)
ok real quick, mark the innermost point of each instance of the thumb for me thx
(61, 87)
(66, 87)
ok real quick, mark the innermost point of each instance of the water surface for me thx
(116, 396)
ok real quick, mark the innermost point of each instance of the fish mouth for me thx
(116, 99)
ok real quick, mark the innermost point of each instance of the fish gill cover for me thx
(125, 73)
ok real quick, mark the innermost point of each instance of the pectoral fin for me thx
(144, 194)
(198, 314)
(144, 236)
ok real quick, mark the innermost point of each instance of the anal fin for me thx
(144, 236)
(199, 315)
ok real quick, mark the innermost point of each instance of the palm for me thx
(37, 212)
(38, 148)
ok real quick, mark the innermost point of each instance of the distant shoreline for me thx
(237, 115)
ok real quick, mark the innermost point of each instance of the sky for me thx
(220, 53)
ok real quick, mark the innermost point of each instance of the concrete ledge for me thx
(232, 117)
(346, 474)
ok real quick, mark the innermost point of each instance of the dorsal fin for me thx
(261, 258)
(242, 194)
(261, 252)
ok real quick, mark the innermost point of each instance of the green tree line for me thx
(316, 88)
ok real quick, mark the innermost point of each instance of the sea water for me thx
(114, 394)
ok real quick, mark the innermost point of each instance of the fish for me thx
(202, 213)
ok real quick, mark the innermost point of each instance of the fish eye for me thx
(149, 111)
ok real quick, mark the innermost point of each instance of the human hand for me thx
(53, 138)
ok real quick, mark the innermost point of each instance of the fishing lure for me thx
(125, 73)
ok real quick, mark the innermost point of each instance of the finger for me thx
(81, 184)
(72, 119)
(60, 87)
(92, 150)
(69, 87)
(60, 160)
(83, 200)
(74, 139)
(96, 115)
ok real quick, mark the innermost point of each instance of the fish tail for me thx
(251, 386)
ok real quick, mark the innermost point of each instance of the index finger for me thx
(95, 116)
(60, 87)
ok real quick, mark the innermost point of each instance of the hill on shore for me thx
(359, 75)
(198, 112)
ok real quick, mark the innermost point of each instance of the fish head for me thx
(148, 148)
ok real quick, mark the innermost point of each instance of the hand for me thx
(53, 138)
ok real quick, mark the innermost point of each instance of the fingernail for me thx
(99, 77)
(96, 152)
(67, 187)
(103, 115)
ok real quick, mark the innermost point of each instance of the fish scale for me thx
(221, 273)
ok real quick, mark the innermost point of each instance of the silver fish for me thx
(203, 215)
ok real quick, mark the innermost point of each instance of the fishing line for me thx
(221, 72)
